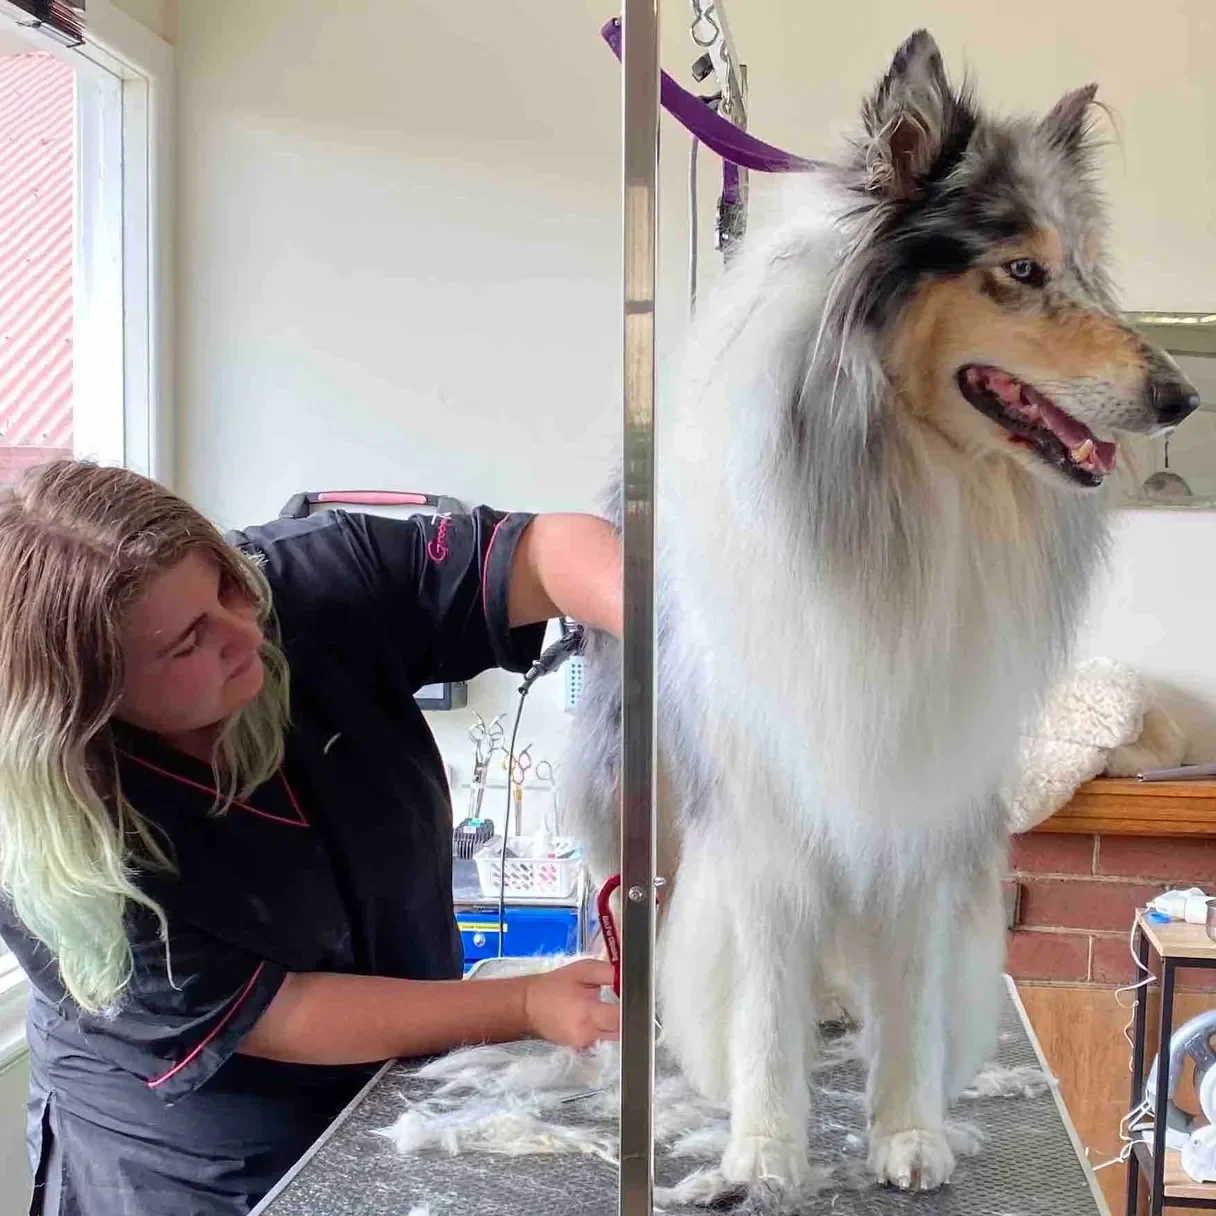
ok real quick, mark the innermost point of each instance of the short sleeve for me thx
(434, 589)
(174, 1030)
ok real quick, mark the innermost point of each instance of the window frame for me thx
(126, 92)
(126, 86)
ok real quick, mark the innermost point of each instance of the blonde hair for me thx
(78, 543)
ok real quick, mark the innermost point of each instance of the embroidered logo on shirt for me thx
(438, 549)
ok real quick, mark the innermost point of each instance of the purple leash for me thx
(734, 146)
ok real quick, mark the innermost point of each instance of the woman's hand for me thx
(564, 1006)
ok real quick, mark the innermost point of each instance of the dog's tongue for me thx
(1064, 426)
(1085, 449)
(1075, 436)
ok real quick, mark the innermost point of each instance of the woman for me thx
(225, 832)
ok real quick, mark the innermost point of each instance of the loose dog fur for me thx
(879, 518)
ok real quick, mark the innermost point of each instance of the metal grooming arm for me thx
(711, 31)
(640, 60)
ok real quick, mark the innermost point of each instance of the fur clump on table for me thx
(525, 1099)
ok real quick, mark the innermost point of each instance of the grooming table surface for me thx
(1028, 1166)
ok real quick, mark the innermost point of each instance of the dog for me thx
(880, 512)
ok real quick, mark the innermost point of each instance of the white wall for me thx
(159, 16)
(398, 250)
(399, 242)
(1156, 611)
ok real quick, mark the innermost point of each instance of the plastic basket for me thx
(531, 877)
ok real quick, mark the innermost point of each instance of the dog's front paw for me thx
(754, 1160)
(918, 1159)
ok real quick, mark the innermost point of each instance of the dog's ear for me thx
(909, 120)
(1067, 123)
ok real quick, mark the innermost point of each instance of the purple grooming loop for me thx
(733, 145)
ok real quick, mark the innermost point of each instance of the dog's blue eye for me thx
(1028, 271)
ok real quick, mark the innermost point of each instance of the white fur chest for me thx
(895, 696)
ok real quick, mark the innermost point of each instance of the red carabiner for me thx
(612, 942)
(612, 939)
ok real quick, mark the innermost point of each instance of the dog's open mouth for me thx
(1037, 423)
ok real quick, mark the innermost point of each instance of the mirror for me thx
(1176, 472)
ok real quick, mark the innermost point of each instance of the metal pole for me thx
(1160, 1114)
(640, 59)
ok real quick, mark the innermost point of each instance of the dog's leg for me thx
(975, 980)
(908, 950)
(772, 1027)
(696, 970)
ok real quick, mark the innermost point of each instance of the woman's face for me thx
(190, 649)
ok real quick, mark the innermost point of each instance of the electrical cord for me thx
(566, 647)
(1134, 1121)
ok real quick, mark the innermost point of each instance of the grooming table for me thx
(1030, 1164)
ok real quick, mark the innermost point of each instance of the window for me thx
(83, 193)
(85, 256)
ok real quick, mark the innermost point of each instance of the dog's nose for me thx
(1174, 399)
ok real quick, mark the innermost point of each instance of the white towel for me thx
(1102, 718)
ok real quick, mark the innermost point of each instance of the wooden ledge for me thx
(1115, 806)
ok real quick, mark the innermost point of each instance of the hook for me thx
(701, 19)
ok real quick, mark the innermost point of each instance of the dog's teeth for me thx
(1083, 451)
(1005, 387)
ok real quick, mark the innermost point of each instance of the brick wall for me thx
(1077, 896)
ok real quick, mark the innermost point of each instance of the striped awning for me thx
(37, 171)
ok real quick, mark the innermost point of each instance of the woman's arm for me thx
(567, 565)
(325, 1018)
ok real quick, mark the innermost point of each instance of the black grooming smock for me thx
(342, 862)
